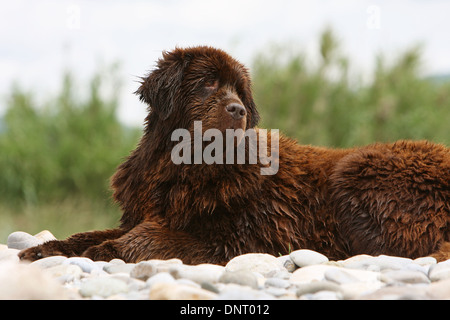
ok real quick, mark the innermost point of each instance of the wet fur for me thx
(380, 199)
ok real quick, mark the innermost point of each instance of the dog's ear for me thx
(254, 117)
(160, 89)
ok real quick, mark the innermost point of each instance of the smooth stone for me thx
(287, 263)
(173, 291)
(404, 276)
(164, 265)
(379, 263)
(120, 267)
(323, 295)
(233, 291)
(439, 290)
(353, 259)
(24, 282)
(44, 236)
(314, 287)
(100, 265)
(86, 264)
(164, 277)
(116, 261)
(21, 240)
(199, 273)
(425, 261)
(255, 262)
(397, 293)
(277, 283)
(310, 273)
(210, 287)
(439, 271)
(143, 270)
(188, 282)
(356, 289)
(339, 276)
(418, 268)
(102, 286)
(242, 277)
(10, 255)
(49, 262)
(276, 292)
(63, 270)
(345, 276)
(281, 274)
(304, 257)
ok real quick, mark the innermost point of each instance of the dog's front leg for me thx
(150, 240)
(75, 245)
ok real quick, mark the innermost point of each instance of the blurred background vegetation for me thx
(56, 157)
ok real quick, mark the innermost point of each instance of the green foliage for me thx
(66, 147)
(320, 103)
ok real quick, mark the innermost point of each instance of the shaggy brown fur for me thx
(381, 199)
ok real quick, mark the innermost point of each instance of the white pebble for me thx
(159, 277)
(103, 286)
(304, 257)
(310, 273)
(86, 264)
(44, 236)
(9, 255)
(255, 262)
(173, 291)
(49, 262)
(199, 273)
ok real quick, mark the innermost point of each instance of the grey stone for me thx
(120, 267)
(143, 270)
(314, 287)
(277, 283)
(287, 263)
(21, 240)
(404, 276)
(242, 277)
(86, 264)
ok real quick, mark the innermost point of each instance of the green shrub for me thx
(320, 103)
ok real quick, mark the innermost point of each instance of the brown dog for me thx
(381, 199)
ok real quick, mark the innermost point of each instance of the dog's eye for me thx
(211, 85)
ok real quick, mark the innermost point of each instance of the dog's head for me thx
(200, 84)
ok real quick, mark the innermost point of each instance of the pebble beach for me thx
(303, 275)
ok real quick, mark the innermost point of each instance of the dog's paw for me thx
(102, 252)
(47, 249)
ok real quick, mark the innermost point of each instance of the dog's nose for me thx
(236, 110)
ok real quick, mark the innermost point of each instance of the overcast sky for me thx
(38, 39)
